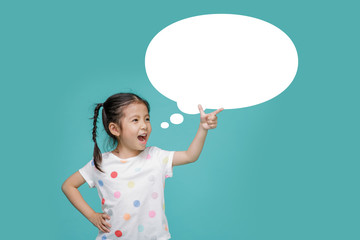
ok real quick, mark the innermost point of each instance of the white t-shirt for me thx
(131, 192)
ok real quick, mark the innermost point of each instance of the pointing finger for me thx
(219, 110)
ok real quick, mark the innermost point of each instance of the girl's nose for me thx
(143, 125)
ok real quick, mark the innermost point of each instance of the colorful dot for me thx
(131, 184)
(103, 201)
(166, 228)
(167, 176)
(92, 163)
(118, 233)
(110, 212)
(136, 203)
(117, 194)
(152, 214)
(104, 237)
(114, 174)
(148, 156)
(164, 206)
(165, 160)
(154, 195)
(101, 183)
(123, 161)
(127, 216)
(141, 228)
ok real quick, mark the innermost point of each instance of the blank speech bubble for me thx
(220, 60)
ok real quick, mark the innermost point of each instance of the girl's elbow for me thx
(63, 187)
(193, 160)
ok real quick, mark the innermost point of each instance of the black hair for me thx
(112, 112)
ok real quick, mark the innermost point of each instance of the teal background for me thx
(284, 169)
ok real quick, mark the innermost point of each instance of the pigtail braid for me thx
(97, 153)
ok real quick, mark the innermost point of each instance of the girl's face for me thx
(136, 127)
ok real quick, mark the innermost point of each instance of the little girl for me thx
(130, 179)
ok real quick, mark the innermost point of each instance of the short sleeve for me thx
(166, 160)
(88, 172)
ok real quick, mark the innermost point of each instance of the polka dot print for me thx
(110, 212)
(118, 233)
(127, 216)
(154, 195)
(124, 184)
(101, 183)
(152, 214)
(131, 184)
(114, 174)
(117, 194)
(136, 203)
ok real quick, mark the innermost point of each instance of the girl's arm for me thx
(207, 121)
(70, 189)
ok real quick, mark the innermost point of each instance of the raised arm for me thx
(207, 121)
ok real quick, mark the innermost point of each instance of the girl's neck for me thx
(124, 153)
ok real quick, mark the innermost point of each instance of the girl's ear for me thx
(114, 129)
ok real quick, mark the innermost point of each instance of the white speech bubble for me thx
(176, 118)
(220, 60)
(164, 125)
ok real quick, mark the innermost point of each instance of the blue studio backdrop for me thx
(286, 169)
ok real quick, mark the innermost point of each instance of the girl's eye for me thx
(134, 120)
(148, 119)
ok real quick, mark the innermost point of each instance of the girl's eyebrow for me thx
(139, 116)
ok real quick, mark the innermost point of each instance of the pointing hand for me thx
(208, 121)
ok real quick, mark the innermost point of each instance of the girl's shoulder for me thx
(158, 151)
(152, 149)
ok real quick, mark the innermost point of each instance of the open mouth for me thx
(142, 138)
